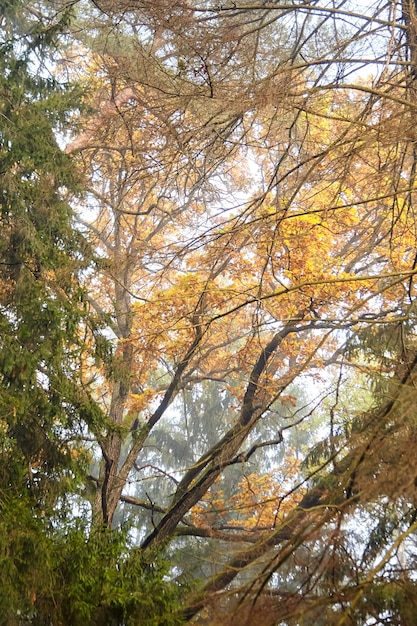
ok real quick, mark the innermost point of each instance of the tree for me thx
(250, 204)
(50, 557)
(41, 307)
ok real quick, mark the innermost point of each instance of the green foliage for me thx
(101, 579)
(69, 578)
(41, 257)
(25, 556)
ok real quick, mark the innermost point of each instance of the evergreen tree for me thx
(53, 569)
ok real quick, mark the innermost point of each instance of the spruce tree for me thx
(41, 305)
(53, 568)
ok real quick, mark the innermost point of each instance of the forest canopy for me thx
(207, 324)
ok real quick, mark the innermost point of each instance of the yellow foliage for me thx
(260, 502)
